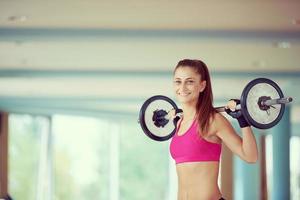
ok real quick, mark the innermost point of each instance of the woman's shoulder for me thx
(219, 119)
(219, 123)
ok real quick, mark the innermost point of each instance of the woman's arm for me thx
(249, 144)
(245, 147)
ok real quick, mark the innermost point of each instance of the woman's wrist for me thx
(243, 122)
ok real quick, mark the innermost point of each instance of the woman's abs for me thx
(198, 181)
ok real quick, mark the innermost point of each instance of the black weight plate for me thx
(262, 119)
(148, 109)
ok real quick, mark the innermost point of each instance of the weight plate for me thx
(257, 117)
(157, 127)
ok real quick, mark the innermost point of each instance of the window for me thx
(295, 167)
(144, 165)
(71, 157)
(24, 152)
(81, 158)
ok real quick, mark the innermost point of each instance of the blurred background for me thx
(74, 74)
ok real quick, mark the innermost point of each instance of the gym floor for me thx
(73, 76)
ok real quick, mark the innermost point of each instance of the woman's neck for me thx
(189, 112)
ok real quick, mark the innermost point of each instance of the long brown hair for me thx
(204, 107)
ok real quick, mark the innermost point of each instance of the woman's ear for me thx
(202, 85)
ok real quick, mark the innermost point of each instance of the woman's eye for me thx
(177, 82)
(190, 82)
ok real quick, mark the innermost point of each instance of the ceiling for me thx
(256, 15)
(109, 56)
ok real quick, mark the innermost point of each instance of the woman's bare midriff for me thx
(198, 181)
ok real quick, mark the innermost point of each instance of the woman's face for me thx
(188, 85)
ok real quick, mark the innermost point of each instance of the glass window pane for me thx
(80, 158)
(269, 164)
(144, 165)
(24, 152)
(295, 167)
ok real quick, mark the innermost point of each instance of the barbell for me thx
(262, 103)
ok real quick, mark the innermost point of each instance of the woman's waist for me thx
(199, 191)
(197, 182)
(196, 173)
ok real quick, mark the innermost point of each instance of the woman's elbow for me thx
(252, 160)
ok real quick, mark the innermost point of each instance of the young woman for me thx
(201, 131)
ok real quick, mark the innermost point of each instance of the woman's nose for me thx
(182, 87)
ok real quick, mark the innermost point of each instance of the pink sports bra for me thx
(189, 147)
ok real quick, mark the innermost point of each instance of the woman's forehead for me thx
(186, 72)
